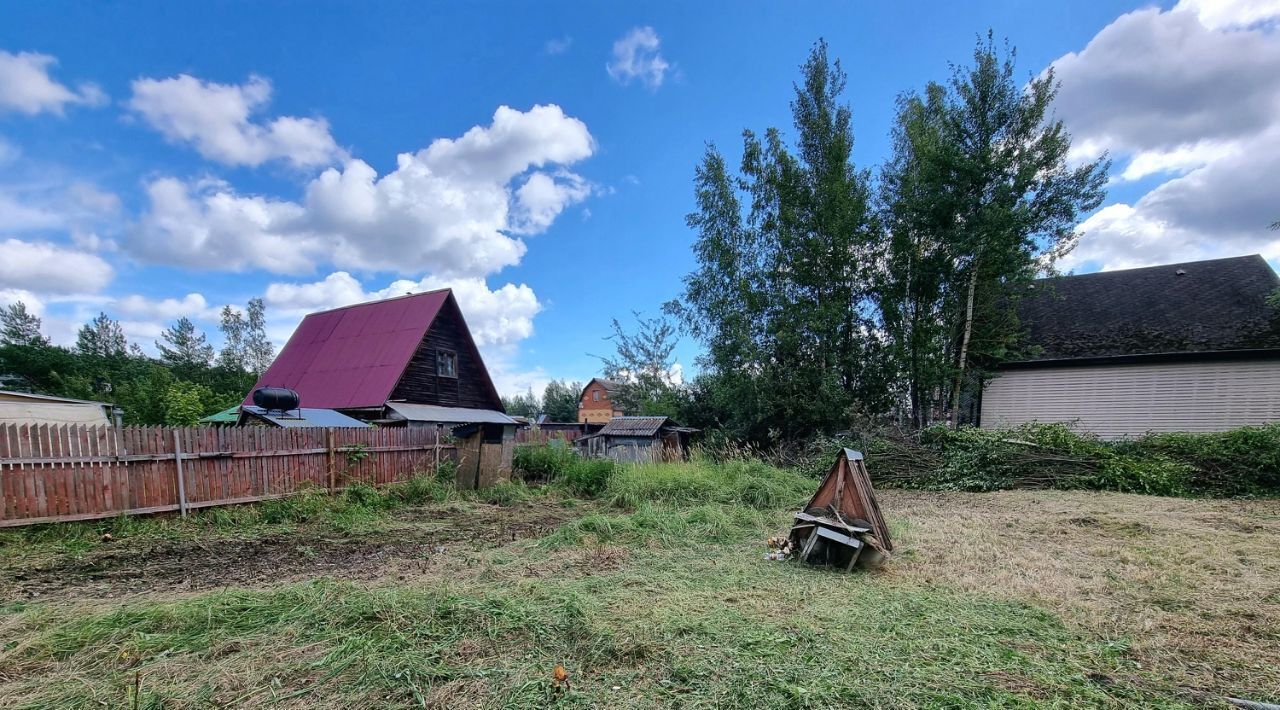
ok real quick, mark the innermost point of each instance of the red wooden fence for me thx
(53, 473)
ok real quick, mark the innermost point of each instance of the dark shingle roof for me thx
(609, 386)
(1197, 307)
(633, 426)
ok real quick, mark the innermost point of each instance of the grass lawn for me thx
(655, 593)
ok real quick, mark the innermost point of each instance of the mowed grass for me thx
(661, 598)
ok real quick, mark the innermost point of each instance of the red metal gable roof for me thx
(353, 356)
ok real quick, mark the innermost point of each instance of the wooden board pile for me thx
(842, 524)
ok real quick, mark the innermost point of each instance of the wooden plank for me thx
(177, 464)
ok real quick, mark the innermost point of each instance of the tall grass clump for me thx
(663, 524)
(543, 462)
(559, 464)
(749, 483)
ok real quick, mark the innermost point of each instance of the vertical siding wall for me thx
(61, 473)
(1115, 401)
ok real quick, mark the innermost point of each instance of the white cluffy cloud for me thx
(217, 120)
(26, 87)
(451, 208)
(192, 305)
(1190, 95)
(637, 56)
(44, 267)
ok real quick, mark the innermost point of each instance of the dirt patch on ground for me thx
(410, 541)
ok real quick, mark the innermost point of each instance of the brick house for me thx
(596, 406)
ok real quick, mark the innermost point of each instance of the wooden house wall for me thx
(420, 385)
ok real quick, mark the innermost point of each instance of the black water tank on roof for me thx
(276, 398)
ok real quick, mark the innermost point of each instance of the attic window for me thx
(446, 363)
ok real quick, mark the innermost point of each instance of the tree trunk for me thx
(964, 345)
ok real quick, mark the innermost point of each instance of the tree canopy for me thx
(825, 297)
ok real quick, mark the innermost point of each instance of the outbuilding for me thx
(639, 439)
(1184, 347)
(27, 408)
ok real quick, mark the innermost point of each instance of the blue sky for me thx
(165, 159)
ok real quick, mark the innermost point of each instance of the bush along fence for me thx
(75, 472)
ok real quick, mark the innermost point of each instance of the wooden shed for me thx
(27, 408)
(639, 439)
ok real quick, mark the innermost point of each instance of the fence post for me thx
(182, 484)
(333, 470)
(436, 472)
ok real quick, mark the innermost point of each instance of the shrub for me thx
(1240, 462)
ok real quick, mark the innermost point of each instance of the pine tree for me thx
(18, 326)
(182, 345)
(560, 400)
(102, 337)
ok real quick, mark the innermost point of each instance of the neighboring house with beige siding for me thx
(1183, 347)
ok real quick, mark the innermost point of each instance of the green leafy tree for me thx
(644, 366)
(18, 326)
(185, 403)
(182, 345)
(102, 337)
(982, 181)
(232, 325)
(560, 400)
(783, 295)
(258, 350)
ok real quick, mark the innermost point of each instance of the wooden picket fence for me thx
(55, 473)
(543, 436)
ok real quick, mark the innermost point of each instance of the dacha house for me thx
(597, 404)
(401, 362)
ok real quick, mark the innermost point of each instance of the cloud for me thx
(51, 200)
(136, 307)
(26, 87)
(8, 152)
(217, 120)
(1224, 14)
(559, 45)
(1192, 95)
(455, 208)
(29, 299)
(49, 268)
(637, 56)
